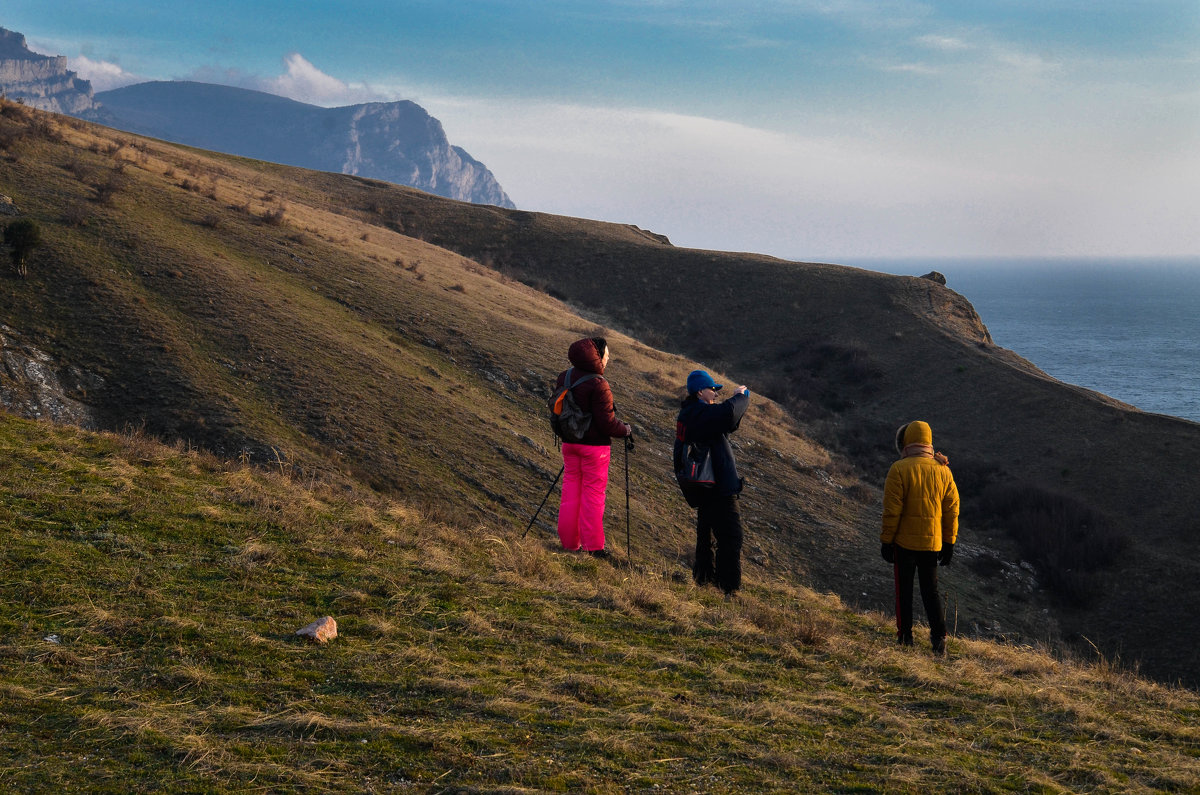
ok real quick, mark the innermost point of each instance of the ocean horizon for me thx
(1128, 328)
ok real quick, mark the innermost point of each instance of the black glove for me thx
(945, 555)
(888, 553)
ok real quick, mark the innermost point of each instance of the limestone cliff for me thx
(43, 81)
(396, 142)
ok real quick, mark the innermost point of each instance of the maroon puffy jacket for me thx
(593, 395)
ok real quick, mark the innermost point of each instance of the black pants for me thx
(924, 564)
(717, 517)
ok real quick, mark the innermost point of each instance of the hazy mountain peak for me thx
(395, 142)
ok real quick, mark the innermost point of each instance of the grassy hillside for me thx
(150, 596)
(1089, 491)
(353, 332)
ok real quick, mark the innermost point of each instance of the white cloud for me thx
(715, 184)
(913, 68)
(304, 82)
(1024, 62)
(943, 43)
(102, 74)
(301, 81)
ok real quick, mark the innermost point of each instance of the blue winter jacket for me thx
(711, 424)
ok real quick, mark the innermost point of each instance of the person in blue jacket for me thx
(702, 420)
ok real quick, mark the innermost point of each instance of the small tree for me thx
(22, 237)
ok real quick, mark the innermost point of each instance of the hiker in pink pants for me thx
(585, 465)
(581, 512)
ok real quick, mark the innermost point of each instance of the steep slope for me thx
(393, 141)
(326, 324)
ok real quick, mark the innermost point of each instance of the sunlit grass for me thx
(150, 645)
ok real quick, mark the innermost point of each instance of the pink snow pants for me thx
(581, 511)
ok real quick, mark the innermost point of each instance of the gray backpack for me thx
(567, 420)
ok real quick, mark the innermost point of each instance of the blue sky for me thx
(810, 129)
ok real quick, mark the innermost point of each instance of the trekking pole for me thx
(628, 447)
(539, 508)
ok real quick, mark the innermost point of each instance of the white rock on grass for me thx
(320, 631)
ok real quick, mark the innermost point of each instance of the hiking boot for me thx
(601, 554)
(905, 640)
(939, 646)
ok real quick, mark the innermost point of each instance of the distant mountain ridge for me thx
(395, 142)
(43, 81)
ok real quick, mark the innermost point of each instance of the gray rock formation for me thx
(33, 385)
(395, 142)
(43, 81)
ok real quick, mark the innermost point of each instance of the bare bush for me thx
(273, 217)
(76, 214)
(78, 169)
(47, 131)
(1067, 540)
(14, 110)
(11, 138)
(116, 182)
(22, 236)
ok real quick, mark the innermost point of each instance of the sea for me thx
(1129, 328)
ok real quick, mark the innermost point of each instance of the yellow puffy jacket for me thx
(920, 502)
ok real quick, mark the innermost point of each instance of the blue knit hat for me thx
(698, 379)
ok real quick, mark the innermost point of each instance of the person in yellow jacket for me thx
(920, 526)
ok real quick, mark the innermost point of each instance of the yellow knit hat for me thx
(918, 433)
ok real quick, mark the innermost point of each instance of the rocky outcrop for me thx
(396, 142)
(34, 386)
(43, 81)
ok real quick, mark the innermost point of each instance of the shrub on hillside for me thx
(10, 139)
(14, 110)
(47, 131)
(114, 183)
(76, 215)
(1067, 540)
(22, 236)
(80, 170)
(817, 378)
(273, 217)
